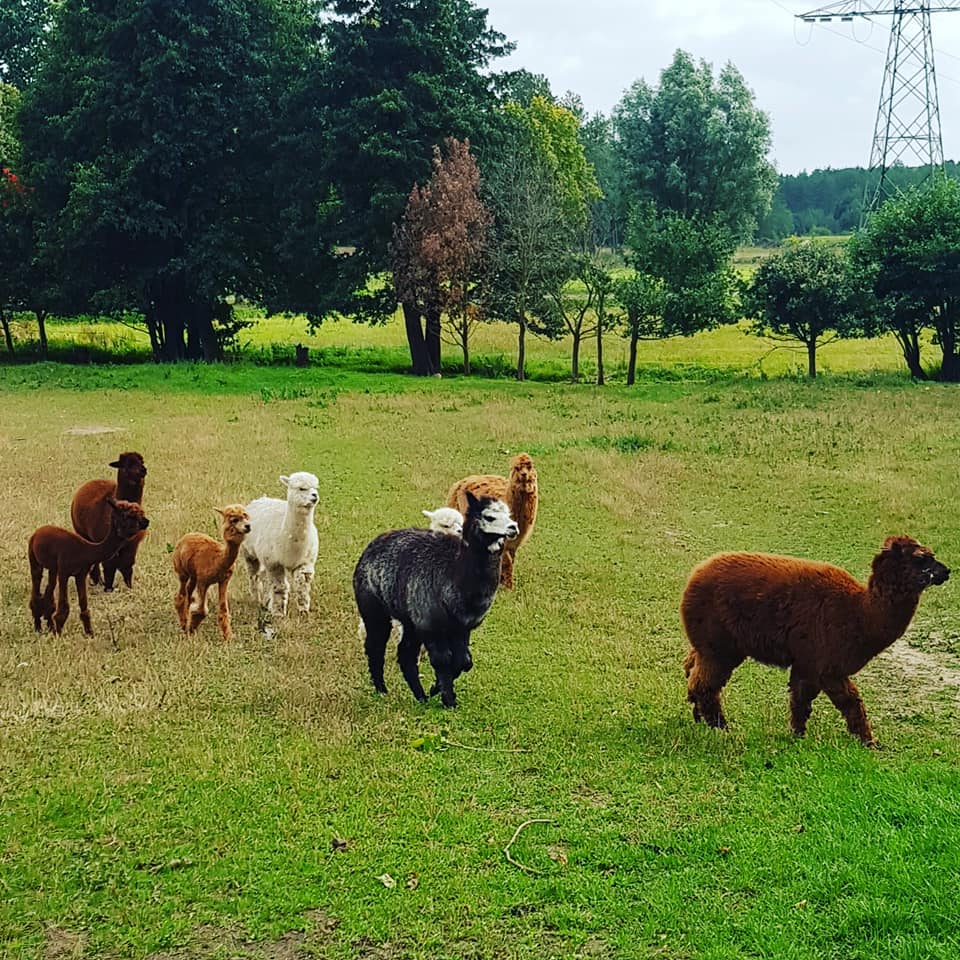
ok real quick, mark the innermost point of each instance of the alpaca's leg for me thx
(845, 696)
(802, 694)
(375, 626)
(302, 579)
(707, 676)
(109, 573)
(81, 580)
(181, 602)
(63, 604)
(37, 605)
(94, 574)
(253, 571)
(506, 569)
(49, 606)
(223, 613)
(449, 661)
(279, 591)
(198, 605)
(408, 652)
(124, 561)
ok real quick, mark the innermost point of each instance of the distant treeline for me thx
(830, 201)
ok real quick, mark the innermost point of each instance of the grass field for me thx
(172, 798)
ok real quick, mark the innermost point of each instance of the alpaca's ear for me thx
(472, 501)
(285, 481)
(428, 514)
(218, 510)
(116, 463)
(893, 545)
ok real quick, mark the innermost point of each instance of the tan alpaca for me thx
(199, 562)
(519, 492)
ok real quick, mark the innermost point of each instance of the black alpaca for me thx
(438, 587)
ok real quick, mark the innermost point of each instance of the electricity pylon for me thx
(907, 129)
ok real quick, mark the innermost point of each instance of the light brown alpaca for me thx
(199, 562)
(521, 494)
(66, 555)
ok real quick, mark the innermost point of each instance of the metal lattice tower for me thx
(907, 128)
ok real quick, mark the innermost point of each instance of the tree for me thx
(643, 298)
(608, 213)
(909, 253)
(690, 261)
(23, 27)
(804, 294)
(697, 146)
(436, 252)
(151, 134)
(398, 77)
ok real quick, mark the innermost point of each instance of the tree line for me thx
(163, 158)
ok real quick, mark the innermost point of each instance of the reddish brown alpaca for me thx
(67, 555)
(811, 617)
(91, 515)
(521, 494)
(199, 562)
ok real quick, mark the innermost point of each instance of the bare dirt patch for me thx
(91, 431)
(913, 677)
(60, 944)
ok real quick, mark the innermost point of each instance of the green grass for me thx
(170, 798)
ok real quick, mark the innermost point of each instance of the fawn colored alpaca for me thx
(520, 492)
(91, 515)
(65, 554)
(200, 561)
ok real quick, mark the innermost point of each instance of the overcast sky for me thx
(819, 84)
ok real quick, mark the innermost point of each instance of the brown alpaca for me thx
(91, 515)
(66, 555)
(521, 494)
(811, 617)
(199, 562)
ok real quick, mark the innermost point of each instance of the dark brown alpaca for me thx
(199, 562)
(66, 555)
(91, 515)
(811, 617)
(520, 493)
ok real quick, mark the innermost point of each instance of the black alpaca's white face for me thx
(495, 520)
(302, 490)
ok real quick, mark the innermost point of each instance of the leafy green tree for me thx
(152, 134)
(690, 261)
(608, 212)
(697, 145)
(643, 298)
(399, 76)
(24, 25)
(803, 294)
(909, 253)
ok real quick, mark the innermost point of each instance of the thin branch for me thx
(464, 746)
(516, 833)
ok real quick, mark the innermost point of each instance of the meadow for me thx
(177, 798)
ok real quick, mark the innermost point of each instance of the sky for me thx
(819, 84)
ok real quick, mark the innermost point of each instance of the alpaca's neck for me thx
(889, 610)
(480, 568)
(129, 489)
(106, 548)
(296, 522)
(228, 557)
(523, 506)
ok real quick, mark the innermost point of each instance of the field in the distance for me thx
(172, 799)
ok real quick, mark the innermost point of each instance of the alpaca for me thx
(66, 555)
(812, 617)
(199, 562)
(283, 545)
(439, 588)
(91, 515)
(444, 520)
(521, 494)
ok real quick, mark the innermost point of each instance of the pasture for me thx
(172, 798)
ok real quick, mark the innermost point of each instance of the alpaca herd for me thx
(435, 586)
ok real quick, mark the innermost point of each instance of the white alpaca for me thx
(281, 548)
(446, 520)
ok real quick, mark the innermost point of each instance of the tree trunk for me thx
(42, 327)
(522, 349)
(433, 340)
(7, 335)
(600, 380)
(150, 318)
(812, 359)
(909, 340)
(575, 361)
(419, 363)
(950, 368)
(465, 345)
(209, 343)
(632, 362)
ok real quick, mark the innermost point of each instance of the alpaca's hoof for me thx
(108, 589)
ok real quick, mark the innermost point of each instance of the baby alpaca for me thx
(199, 562)
(445, 520)
(521, 494)
(811, 617)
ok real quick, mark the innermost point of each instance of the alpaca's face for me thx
(128, 518)
(916, 566)
(236, 523)
(523, 474)
(131, 464)
(446, 520)
(495, 520)
(302, 490)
